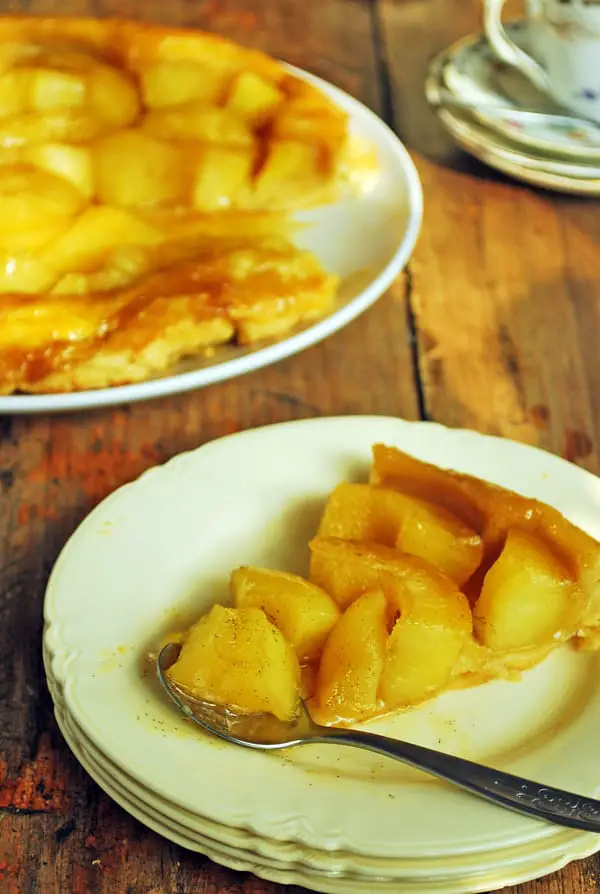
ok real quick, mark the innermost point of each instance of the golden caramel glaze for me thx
(142, 170)
(528, 583)
(492, 511)
(171, 313)
(380, 629)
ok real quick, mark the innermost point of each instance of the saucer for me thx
(475, 76)
(469, 131)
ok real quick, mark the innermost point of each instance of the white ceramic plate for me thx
(287, 873)
(169, 541)
(497, 152)
(299, 875)
(365, 239)
(552, 853)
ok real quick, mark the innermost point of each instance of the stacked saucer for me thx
(329, 818)
(493, 112)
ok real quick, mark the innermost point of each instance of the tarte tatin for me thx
(147, 177)
(421, 581)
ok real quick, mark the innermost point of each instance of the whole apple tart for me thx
(147, 178)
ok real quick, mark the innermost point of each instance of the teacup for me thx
(565, 35)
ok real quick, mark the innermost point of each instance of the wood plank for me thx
(58, 833)
(504, 279)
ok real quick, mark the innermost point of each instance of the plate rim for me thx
(342, 857)
(181, 383)
(296, 873)
(539, 178)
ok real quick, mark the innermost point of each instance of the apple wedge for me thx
(303, 612)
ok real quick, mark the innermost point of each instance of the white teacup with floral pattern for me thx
(565, 36)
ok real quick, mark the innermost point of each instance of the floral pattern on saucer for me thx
(504, 154)
(475, 76)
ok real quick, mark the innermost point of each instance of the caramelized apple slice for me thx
(98, 231)
(41, 88)
(25, 274)
(308, 117)
(398, 470)
(61, 126)
(361, 512)
(72, 87)
(432, 617)
(32, 199)
(73, 163)
(197, 121)
(133, 168)
(382, 515)
(491, 511)
(352, 662)
(289, 173)
(112, 95)
(432, 630)
(236, 657)
(528, 598)
(303, 612)
(172, 82)
(223, 173)
(346, 568)
(342, 568)
(253, 98)
(442, 539)
(48, 89)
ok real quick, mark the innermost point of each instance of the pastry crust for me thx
(168, 315)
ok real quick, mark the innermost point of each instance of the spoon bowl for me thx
(262, 731)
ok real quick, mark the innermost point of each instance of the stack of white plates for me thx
(328, 818)
(493, 112)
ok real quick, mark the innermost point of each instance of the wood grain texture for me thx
(504, 279)
(497, 314)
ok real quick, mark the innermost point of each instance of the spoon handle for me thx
(522, 795)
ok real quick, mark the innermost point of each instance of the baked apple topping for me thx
(421, 581)
(147, 178)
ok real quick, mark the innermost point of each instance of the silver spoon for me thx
(265, 732)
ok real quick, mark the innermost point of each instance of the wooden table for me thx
(494, 326)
